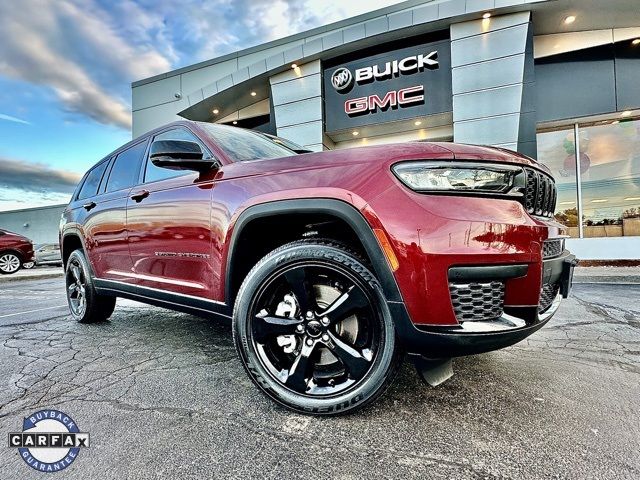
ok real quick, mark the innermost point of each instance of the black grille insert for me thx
(552, 248)
(540, 193)
(477, 301)
(548, 293)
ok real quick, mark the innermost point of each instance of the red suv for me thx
(329, 265)
(15, 250)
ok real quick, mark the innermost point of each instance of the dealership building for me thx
(554, 79)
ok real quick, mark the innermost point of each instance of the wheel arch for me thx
(15, 251)
(70, 241)
(325, 208)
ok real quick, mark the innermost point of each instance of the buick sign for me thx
(341, 79)
(388, 86)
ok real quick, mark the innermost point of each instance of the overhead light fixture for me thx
(569, 20)
(632, 199)
(294, 66)
(636, 41)
(235, 122)
(355, 133)
(626, 114)
(253, 94)
(417, 123)
(216, 111)
(599, 200)
(567, 203)
(486, 15)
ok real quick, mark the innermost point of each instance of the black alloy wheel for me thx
(313, 329)
(85, 304)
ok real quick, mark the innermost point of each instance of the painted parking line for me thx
(32, 311)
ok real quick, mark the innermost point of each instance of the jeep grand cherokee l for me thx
(329, 265)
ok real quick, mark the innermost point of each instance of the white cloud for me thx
(88, 51)
(77, 53)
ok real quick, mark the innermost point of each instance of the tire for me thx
(85, 304)
(29, 265)
(10, 263)
(313, 330)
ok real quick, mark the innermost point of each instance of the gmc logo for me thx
(394, 98)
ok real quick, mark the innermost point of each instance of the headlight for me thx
(429, 176)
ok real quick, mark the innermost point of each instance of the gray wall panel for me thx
(302, 111)
(502, 43)
(303, 87)
(303, 134)
(480, 76)
(487, 131)
(487, 103)
(492, 103)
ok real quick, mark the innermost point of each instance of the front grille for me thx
(552, 248)
(477, 301)
(540, 193)
(548, 293)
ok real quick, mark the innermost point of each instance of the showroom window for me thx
(603, 187)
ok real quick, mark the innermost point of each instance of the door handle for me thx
(139, 196)
(89, 206)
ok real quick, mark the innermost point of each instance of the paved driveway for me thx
(163, 395)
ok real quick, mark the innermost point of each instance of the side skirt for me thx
(161, 298)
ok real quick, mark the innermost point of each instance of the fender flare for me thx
(328, 206)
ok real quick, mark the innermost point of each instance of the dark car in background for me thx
(15, 250)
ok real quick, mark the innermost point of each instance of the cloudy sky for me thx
(66, 67)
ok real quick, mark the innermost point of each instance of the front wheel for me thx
(85, 304)
(313, 329)
(9, 263)
(28, 265)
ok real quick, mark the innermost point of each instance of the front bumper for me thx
(479, 336)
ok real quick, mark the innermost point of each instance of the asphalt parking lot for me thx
(163, 395)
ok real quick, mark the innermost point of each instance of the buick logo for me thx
(341, 79)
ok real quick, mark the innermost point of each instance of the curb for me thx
(44, 276)
(620, 279)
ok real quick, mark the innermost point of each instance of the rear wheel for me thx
(28, 265)
(9, 263)
(85, 304)
(313, 329)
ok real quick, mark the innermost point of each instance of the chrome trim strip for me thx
(506, 322)
(158, 290)
(150, 278)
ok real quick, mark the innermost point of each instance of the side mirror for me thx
(179, 155)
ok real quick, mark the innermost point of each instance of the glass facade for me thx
(609, 175)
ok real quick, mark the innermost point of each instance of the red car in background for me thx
(15, 250)
(330, 265)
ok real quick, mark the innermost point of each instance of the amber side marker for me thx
(386, 247)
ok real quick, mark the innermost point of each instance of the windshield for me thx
(287, 143)
(241, 145)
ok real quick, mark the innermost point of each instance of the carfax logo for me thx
(50, 440)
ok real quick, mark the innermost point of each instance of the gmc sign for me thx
(404, 96)
(388, 87)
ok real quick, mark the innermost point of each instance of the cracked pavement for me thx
(162, 394)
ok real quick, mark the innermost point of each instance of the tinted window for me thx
(92, 182)
(124, 172)
(240, 144)
(154, 173)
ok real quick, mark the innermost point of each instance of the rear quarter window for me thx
(124, 173)
(92, 181)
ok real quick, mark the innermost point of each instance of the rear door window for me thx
(124, 173)
(92, 182)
